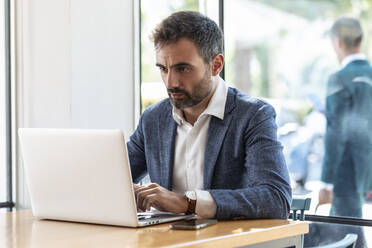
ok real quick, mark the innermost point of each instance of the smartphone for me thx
(192, 224)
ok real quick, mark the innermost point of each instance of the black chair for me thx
(302, 204)
(348, 242)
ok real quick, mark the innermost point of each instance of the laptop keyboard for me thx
(154, 218)
(149, 219)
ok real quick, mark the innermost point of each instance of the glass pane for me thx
(2, 108)
(152, 13)
(281, 51)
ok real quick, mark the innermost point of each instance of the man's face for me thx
(185, 74)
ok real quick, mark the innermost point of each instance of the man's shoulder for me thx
(355, 67)
(157, 109)
(248, 104)
(341, 79)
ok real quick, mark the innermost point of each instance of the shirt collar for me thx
(350, 58)
(216, 106)
(178, 115)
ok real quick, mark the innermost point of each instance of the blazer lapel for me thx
(216, 133)
(167, 129)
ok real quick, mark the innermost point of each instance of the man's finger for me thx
(140, 188)
(142, 194)
(136, 186)
(149, 200)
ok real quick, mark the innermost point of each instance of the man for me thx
(347, 165)
(209, 149)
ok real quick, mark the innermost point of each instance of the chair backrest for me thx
(348, 242)
(300, 204)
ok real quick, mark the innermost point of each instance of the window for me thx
(281, 54)
(279, 51)
(152, 13)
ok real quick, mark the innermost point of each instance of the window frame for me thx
(9, 204)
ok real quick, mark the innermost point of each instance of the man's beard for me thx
(198, 94)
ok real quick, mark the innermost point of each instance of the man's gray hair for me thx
(348, 30)
(201, 30)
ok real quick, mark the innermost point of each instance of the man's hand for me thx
(325, 196)
(153, 195)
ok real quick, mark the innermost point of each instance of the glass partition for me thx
(282, 51)
(152, 13)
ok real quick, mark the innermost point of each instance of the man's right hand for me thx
(153, 195)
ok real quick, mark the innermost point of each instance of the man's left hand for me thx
(153, 195)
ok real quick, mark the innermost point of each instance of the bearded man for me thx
(208, 149)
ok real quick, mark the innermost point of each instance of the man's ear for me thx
(340, 44)
(217, 64)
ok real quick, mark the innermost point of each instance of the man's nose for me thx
(171, 80)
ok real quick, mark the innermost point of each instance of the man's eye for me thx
(163, 69)
(183, 69)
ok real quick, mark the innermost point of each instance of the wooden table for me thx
(21, 229)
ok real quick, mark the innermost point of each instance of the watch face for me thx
(191, 195)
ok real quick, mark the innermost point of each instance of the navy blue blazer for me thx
(244, 168)
(347, 160)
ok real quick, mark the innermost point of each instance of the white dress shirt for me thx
(188, 170)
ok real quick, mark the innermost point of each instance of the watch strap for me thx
(191, 206)
(191, 201)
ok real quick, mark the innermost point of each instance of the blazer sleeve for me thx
(268, 193)
(337, 107)
(136, 153)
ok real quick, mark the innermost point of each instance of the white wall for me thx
(75, 66)
(102, 64)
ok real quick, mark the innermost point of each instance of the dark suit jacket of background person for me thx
(244, 169)
(348, 142)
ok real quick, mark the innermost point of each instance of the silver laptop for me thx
(83, 176)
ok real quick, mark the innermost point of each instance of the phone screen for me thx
(193, 224)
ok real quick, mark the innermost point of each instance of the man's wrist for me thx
(327, 186)
(191, 201)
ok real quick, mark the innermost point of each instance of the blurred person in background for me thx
(347, 164)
